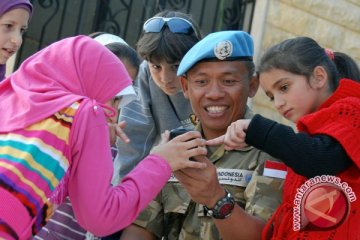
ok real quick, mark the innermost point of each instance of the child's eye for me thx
(271, 97)
(157, 67)
(175, 67)
(284, 87)
(7, 26)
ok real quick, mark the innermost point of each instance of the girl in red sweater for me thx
(319, 90)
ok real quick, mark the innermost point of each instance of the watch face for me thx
(222, 208)
(226, 209)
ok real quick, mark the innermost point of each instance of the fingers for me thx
(234, 138)
(122, 124)
(165, 137)
(194, 164)
(195, 142)
(192, 142)
(180, 149)
(201, 184)
(188, 181)
(237, 130)
(121, 134)
(216, 141)
(196, 151)
(187, 136)
(201, 158)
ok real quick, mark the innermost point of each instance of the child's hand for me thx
(179, 150)
(116, 130)
(120, 133)
(234, 138)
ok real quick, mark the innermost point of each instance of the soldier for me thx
(217, 76)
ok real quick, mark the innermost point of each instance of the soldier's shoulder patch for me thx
(194, 119)
(275, 169)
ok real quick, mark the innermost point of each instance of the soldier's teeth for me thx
(215, 109)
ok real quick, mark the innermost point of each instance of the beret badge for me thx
(223, 49)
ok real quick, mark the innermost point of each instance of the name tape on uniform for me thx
(236, 177)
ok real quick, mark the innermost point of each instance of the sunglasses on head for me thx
(175, 25)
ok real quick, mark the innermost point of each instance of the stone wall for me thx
(334, 24)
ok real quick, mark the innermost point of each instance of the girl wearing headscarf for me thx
(63, 223)
(14, 19)
(54, 142)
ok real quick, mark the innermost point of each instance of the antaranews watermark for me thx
(322, 202)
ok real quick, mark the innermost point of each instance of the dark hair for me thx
(96, 34)
(301, 55)
(125, 53)
(250, 67)
(166, 45)
(346, 66)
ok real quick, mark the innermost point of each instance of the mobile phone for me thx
(177, 131)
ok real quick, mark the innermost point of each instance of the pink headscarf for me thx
(55, 77)
(7, 5)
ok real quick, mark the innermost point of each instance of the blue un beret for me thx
(224, 45)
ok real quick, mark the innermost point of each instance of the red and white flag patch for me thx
(275, 169)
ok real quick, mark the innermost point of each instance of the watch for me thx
(223, 208)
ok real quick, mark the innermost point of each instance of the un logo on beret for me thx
(223, 50)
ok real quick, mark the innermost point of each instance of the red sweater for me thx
(338, 117)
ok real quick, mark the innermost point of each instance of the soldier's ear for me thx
(253, 85)
(184, 86)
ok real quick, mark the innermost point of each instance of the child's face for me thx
(114, 103)
(12, 26)
(164, 75)
(293, 95)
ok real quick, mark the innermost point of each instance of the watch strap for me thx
(223, 207)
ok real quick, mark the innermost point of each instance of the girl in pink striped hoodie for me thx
(54, 142)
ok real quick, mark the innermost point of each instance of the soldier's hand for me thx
(201, 184)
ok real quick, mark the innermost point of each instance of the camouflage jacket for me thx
(173, 215)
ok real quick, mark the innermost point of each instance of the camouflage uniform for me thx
(173, 215)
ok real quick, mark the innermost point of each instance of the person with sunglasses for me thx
(160, 105)
(217, 76)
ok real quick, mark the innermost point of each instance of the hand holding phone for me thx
(177, 132)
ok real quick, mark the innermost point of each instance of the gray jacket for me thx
(146, 118)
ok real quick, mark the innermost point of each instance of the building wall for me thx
(334, 24)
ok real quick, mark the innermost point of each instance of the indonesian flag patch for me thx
(275, 169)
